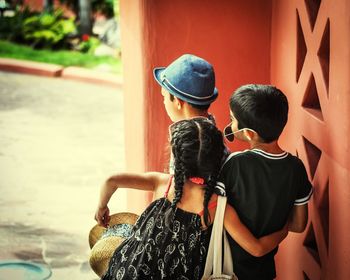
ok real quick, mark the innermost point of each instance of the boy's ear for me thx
(249, 134)
(178, 103)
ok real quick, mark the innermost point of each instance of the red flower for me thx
(85, 37)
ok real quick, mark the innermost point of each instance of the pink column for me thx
(310, 62)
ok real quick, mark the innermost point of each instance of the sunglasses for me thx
(228, 133)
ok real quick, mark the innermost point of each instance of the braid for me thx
(209, 149)
(179, 179)
(208, 192)
(179, 169)
(198, 149)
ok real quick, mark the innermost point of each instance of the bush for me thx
(11, 27)
(40, 30)
(48, 30)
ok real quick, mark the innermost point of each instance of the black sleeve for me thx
(225, 180)
(305, 189)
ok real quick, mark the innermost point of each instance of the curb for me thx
(86, 75)
(30, 67)
(58, 71)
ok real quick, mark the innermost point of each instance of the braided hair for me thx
(198, 148)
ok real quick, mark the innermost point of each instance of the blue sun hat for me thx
(189, 78)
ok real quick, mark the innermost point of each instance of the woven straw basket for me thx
(104, 241)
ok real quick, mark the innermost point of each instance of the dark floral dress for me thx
(161, 247)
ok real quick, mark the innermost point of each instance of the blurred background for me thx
(61, 128)
(65, 32)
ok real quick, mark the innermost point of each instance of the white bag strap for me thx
(213, 265)
(228, 261)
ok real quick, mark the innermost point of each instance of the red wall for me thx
(310, 57)
(232, 35)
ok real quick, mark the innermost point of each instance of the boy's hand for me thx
(102, 216)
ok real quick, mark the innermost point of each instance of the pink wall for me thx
(310, 63)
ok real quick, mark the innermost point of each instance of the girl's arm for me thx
(242, 235)
(150, 181)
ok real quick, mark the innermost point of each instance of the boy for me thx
(188, 87)
(264, 184)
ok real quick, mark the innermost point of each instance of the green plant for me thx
(47, 29)
(88, 44)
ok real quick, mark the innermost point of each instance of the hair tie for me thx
(197, 180)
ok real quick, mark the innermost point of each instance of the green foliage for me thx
(47, 29)
(41, 30)
(11, 27)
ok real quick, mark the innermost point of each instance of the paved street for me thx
(59, 140)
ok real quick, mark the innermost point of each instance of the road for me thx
(59, 140)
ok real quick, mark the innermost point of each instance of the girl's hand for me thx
(102, 216)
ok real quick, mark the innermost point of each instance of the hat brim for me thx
(157, 73)
(115, 219)
(102, 252)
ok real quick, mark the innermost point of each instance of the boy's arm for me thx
(298, 218)
(150, 181)
(242, 235)
(299, 213)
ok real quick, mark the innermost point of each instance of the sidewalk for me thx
(60, 140)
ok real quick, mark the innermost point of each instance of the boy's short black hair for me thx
(263, 108)
(198, 107)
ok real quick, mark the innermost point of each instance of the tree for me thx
(48, 5)
(85, 17)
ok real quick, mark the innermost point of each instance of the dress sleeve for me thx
(305, 188)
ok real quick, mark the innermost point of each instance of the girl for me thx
(171, 237)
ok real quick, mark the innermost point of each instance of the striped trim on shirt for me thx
(269, 155)
(261, 153)
(304, 200)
